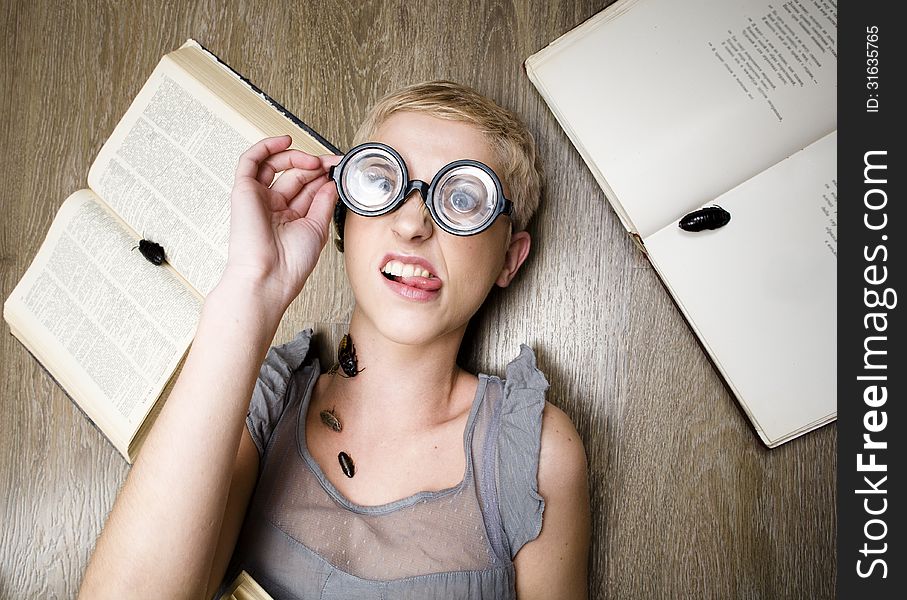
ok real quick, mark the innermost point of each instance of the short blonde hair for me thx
(511, 143)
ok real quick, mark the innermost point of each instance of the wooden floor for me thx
(687, 503)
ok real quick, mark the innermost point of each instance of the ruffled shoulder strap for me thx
(269, 395)
(519, 445)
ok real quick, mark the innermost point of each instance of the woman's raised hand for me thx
(278, 227)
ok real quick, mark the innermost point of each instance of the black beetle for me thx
(330, 419)
(710, 217)
(346, 356)
(346, 463)
(152, 251)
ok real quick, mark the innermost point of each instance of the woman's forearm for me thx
(162, 532)
(161, 537)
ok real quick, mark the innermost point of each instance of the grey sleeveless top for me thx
(302, 539)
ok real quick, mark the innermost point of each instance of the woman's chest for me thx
(410, 535)
(375, 470)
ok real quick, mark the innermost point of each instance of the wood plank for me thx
(686, 501)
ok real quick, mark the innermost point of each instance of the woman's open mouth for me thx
(412, 280)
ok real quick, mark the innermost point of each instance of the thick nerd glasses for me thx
(464, 197)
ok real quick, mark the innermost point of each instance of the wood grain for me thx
(687, 503)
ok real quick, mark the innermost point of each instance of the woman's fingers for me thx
(250, 160)
(329, 160)
(296, 159)
(291, 182)
(282, 161)
(318, 207)
(301, 202)
(301, 184)
(270, 156)
(321, 209)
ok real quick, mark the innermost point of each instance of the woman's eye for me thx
(463, 201)
(378, 180)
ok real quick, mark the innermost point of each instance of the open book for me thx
(244, 587)
(110, 326)
(675, 107)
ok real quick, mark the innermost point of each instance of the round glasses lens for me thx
(372, 180)
(465, 198)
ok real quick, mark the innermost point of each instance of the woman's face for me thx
(445, 278)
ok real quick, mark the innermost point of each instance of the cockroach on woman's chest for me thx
(330, 419)
(152, 251)
(346, 464)
(710, 217)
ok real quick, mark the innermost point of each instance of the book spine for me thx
(277, 106)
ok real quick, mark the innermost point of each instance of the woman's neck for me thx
(399, 387)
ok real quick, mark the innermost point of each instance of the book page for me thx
(673, 103)
(167, 170)
(761, 290)
(254, 104)
(110, 326)
(244, 587)
(168, 167)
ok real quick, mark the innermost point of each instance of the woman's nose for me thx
(412, 221)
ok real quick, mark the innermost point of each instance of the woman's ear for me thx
(517, 252)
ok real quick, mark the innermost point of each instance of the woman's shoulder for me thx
(518, 448)
(560, 451)
(563, 457)
(525, 380)
(556, 559)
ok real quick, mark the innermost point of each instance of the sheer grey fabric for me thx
(303, 539)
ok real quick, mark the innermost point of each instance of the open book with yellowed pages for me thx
(110, 326)
(677, 107)
(245, 588)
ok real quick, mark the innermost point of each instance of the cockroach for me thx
(346, 463)
(346, 356)
(710, 217)
(152, 251)
(330, 419)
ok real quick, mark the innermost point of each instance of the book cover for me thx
(729, 103)
(110, 326)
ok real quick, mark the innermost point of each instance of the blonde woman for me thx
(398, 474)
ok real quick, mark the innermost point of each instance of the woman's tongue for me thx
(422, 283)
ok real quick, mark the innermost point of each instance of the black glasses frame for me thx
(503, 207)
